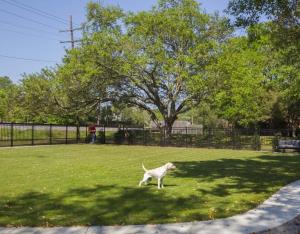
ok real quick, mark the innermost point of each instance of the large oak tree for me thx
(154, 59)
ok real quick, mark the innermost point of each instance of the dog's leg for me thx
(144, 180)
(159, 183)
(148, 180)
(162, 182)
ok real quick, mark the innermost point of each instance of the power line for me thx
(27, 59)
(28, 19)
(30, 35)
(41, 11)
(35, 11)
(26, 27)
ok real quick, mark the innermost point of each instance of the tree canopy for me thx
(153, 60)
(171, 62)
(242, 96)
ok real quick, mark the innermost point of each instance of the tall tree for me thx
(7, 91)
(283, 17)
(283, 68)
(36, 97)
(151, 59)
(166, 51)
(283, 27)
(286, 13)
(87, 78)
(242, 95)
(5, 82)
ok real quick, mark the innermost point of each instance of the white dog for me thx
(158, 173)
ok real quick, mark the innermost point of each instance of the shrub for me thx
(119, 136)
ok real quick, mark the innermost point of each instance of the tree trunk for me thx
(293, 131)
(168, 128)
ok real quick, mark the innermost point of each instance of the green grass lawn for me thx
(97, 185)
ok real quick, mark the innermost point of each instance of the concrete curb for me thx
(276, 213)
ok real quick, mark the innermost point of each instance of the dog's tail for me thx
(144, 167)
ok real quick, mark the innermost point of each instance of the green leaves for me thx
(36, 96)
(103, 18)
(168, 60)
(241, 95)
(9, 99)
(153, 61)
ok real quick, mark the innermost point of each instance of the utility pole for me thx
(71, 30)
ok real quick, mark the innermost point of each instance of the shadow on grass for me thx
(114, 204)
(99, 205)
(256, 175)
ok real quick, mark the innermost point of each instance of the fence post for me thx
(86, 131)
(233, 138)
(32, 134)
(66, 134)
(104, 134)
(186, 131)
(144, 136)
(164, 136)
(257, 139)
(209, 137)
(77, 134)
(12, 134)
(50, 134)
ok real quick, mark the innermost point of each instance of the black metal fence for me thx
(18, 134)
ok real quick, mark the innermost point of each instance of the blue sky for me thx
(39, 38)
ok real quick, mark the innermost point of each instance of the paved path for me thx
(279, 209)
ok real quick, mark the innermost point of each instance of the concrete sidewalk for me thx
(282, 207)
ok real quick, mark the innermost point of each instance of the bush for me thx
(101, 137)
(119, 136)
(128, 136)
